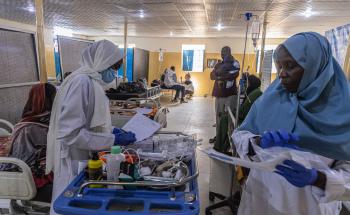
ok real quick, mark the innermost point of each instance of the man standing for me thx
(225, 91)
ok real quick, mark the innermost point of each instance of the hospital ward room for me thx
(176, 107)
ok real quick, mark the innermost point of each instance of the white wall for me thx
(170, 44)
(173, 44)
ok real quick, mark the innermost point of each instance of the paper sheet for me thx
(143, 110)
(142, 126)
(264, 165)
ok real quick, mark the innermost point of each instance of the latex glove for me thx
(124, 138)
(278, 138)
(297, 174)
(117, 131)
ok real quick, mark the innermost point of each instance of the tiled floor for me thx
(196, 117)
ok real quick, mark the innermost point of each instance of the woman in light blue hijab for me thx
(307, 108)
(319, 111)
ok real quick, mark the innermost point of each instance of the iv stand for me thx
(248, 16)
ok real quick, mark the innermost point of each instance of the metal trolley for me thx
(176, 197)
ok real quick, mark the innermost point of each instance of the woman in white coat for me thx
(306, 109)
(80, 119)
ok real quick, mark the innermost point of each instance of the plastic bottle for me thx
(113, 164)
(95, 169)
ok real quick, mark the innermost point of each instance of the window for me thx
(267, 48)
(193, 58)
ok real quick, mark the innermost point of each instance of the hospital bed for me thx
(123, 110)
(150, 93)
(18, 193)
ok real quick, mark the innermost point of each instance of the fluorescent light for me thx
(141, 14)
(30, 8)
(131, 45)
(171, 33)
(219, 27)
(308, 12)
(62, 32)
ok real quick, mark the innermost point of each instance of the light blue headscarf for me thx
(319, 112)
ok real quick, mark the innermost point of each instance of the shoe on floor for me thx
(212, 140)
(183, 101)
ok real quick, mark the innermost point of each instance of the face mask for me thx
(108, 75)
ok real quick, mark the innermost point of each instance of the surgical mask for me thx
(108, 75)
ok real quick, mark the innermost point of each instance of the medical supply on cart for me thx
(114, 160)
(95, 169)
(166, 146)
(154, 185)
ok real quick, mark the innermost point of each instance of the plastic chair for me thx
(20, 189)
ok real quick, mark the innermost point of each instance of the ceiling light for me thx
(62, 32)
(141, 14)
(171, 33)
(30, 8)
(308, 12)
(219, 27)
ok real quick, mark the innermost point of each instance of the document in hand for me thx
(142, 126)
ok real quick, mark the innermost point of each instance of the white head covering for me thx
(100, 56)
(96, 58)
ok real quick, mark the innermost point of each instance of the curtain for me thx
(339, 40)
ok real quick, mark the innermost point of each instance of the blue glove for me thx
(278, 138)
(117, 131)
(296, 173)
(124, 138)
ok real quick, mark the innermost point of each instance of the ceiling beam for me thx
(158, 17)
(267, 9)
(206, 11)
(234, 12)
(182, 16)
(292, 13)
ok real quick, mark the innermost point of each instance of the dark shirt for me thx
(248, 103)
(222, 73)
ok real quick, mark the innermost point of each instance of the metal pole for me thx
(125, 48)
(41, 41)
(248, 16)
(262, 50)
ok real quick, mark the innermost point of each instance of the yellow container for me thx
(95, 169)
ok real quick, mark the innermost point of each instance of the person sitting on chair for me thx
(189, 88)
(29, 138)
(253, 92)
(170, 81)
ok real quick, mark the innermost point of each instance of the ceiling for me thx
(181, 18)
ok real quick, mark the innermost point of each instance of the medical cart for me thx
(161, 197)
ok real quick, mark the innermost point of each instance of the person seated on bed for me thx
(29, 138)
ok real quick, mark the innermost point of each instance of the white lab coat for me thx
(270, 193)
(74, 131)
(80, 119)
